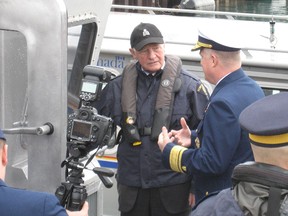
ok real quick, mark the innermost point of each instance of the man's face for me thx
(151, 57)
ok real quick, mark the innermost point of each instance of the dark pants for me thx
(164, 201)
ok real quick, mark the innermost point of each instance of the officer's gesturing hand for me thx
(183, 136)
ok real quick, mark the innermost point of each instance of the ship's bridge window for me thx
(81, 41)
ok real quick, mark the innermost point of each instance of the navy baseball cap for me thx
(143, 34)
(2, 135)
(266, 120)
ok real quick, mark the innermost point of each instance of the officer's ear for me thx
(4, 153)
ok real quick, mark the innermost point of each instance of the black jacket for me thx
(141, 166)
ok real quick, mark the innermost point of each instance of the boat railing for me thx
(248, 50)
(228, 15)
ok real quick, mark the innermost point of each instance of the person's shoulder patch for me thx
(202, 89)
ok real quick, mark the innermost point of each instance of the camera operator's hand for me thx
(82, 212)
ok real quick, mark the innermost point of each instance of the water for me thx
(267, 7)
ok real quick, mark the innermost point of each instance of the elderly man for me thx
(152, 91)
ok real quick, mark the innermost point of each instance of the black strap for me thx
(274, 201)
(119, 136)
(146, 131)
(260, 173)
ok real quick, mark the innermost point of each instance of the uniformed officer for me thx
(260, 187)
(219, 143)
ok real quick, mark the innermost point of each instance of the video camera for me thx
(86, 131)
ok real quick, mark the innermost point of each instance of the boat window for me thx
(81, 41)
(14, 90)
(13, 75)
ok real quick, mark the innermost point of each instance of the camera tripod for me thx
(72, 194)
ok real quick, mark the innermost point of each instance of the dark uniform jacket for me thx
(141, 166)
(18, 202)
(220, 143)
(250, 195)
(221, 204)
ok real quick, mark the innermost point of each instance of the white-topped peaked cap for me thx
(221, 38)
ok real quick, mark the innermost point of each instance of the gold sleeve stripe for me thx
(176, 158)
(270, 140)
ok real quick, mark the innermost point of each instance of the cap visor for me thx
(150, 40)
(196, 47)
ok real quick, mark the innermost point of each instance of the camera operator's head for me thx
(266, 120)
(3, 155)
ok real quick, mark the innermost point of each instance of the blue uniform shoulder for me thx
(29, 203)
